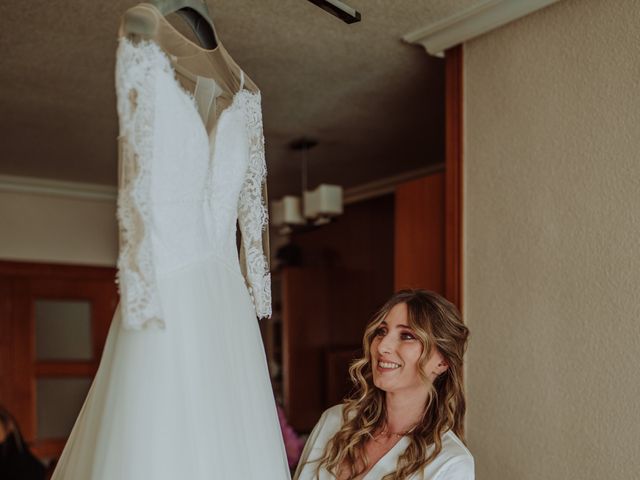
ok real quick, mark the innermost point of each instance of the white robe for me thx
(454, 462)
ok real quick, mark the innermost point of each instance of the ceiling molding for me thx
(56, 188)
(471, 22)
(92, 191)
(387, 185)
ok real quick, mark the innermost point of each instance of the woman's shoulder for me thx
(453, 444)
(331, 418)
(454, 457)
(329, 423)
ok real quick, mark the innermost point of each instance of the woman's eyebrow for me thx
(403, 326)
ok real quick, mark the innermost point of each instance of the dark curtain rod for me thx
(341, 10)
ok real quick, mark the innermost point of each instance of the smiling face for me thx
(395, 356)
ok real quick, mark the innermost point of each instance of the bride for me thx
(405, 418)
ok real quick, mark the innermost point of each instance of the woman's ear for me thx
(436, 365)
(442, 366)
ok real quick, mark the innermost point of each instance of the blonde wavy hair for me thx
(436, 323)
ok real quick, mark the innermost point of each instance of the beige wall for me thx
(57, 229)
(552, 244)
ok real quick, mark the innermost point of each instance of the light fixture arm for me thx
(305, 169)
(312, 208)
(304, 144)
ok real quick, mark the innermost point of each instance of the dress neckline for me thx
(177, 33)
(179, 48)
(378, 468)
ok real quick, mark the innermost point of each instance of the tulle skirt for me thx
(192, 401)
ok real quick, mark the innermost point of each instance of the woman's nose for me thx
(385, 346)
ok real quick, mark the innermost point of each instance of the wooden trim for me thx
(59, 271)
(388, 185)
(65, 369)
(419, 239)
(21, 283)
(17, 385)
(50, 448)
(454, 137)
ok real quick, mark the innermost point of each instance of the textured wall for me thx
(552, 234)
(47, 228)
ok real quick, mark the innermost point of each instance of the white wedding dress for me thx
(183, 391)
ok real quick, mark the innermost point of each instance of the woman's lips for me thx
(384, 366)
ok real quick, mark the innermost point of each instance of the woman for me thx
(16, 461)
(405, 418)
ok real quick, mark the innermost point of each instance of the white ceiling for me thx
(374, 103)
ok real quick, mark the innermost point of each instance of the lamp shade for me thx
(324, 201)
(286, 211)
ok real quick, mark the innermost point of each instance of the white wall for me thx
(40, 227)
(552, 244)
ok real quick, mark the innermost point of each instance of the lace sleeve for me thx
(137, 66)
(253, 217)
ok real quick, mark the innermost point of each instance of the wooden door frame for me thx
(25, 281)
(454, 121)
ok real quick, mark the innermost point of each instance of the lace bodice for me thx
(183, 187)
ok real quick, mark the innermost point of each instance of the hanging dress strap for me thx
(241, 80)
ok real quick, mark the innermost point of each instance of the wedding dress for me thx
(183, 389)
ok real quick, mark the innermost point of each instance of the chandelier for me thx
(314, 207)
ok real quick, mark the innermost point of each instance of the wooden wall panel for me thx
(345, 274)
(419, 234)
(305, 335)
(21, 284)
(454, 167)
(360, 240)
(16, 367)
